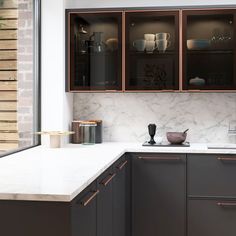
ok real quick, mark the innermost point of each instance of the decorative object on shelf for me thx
(112, 44)
(162, 45)
(82, 30)
(155, 75)
(198, 44)
(176, 137)
(97, 44)
(55, 137)
(152, 132)
(149, 37)
(197, 81)
(162, 36)
(150, 46)
(139, 45)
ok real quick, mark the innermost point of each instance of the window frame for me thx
(37, 78)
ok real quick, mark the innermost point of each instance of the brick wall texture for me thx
(25, 73)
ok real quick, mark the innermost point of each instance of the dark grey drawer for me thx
(211, 218)
(211, 175)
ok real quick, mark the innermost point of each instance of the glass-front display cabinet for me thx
(209, 49)
(94, 52)
(152, 50)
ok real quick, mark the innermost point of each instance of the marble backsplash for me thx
(126, 115)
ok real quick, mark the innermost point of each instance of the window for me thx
(19, 74)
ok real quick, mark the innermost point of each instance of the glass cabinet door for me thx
(95, 54)
(152, 50)
(209, 46)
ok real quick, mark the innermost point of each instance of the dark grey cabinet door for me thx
(211, 218)
(83, 212)
(121, 198)
(211, 175)
(158, 194)
(104, 203)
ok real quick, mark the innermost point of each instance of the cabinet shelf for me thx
(207, 52)
(154, 53)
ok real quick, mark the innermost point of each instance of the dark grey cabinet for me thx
(211, 217)
(83, 212)
(211, 175)
(211, 195)
(121, 198)
(104, 203)
(158, 194)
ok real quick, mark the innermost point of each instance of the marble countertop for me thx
(44, 174)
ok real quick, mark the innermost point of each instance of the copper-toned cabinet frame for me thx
(181, 20)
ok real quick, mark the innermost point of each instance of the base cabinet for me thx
(121, 198)
(83, 212)
(211, 217)
(158, 194)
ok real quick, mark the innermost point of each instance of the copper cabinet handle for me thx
(122, 165)
(160, 158)
(87, 201)
(107, 181)
(226, 158)
(225, 204)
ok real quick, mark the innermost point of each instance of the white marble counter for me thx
(44, 174)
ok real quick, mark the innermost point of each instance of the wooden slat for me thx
(8, 146)
(9, 4)
(8, 14)
(8, 44)
(8, 75)
(12, 116)
(8, 106)
(8, 95)
(9, 136)
(8, 55)
(8, 126)
(8, 34)
(8, 85)
(8, 65)
(8, 24)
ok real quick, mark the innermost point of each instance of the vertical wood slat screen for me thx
(8, 74)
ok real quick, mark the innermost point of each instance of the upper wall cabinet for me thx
(152, 50)
(94, 51)
(209, 49)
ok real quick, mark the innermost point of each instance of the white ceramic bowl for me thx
(197, 44)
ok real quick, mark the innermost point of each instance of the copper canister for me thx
(77, 136)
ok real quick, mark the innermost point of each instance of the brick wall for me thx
(25, 73)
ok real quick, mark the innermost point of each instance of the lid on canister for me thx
(96, 121)
(88, 123)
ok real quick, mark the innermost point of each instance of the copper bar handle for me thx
(226, 158)
(86, 202)
(106, 182)
(226, 204)
(160, 158)
(122, 165)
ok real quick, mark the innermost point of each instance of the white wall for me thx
(142, 3)
(56, 104)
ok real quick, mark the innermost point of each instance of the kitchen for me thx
(47, 181)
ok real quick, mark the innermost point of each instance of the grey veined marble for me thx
(126, 116)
